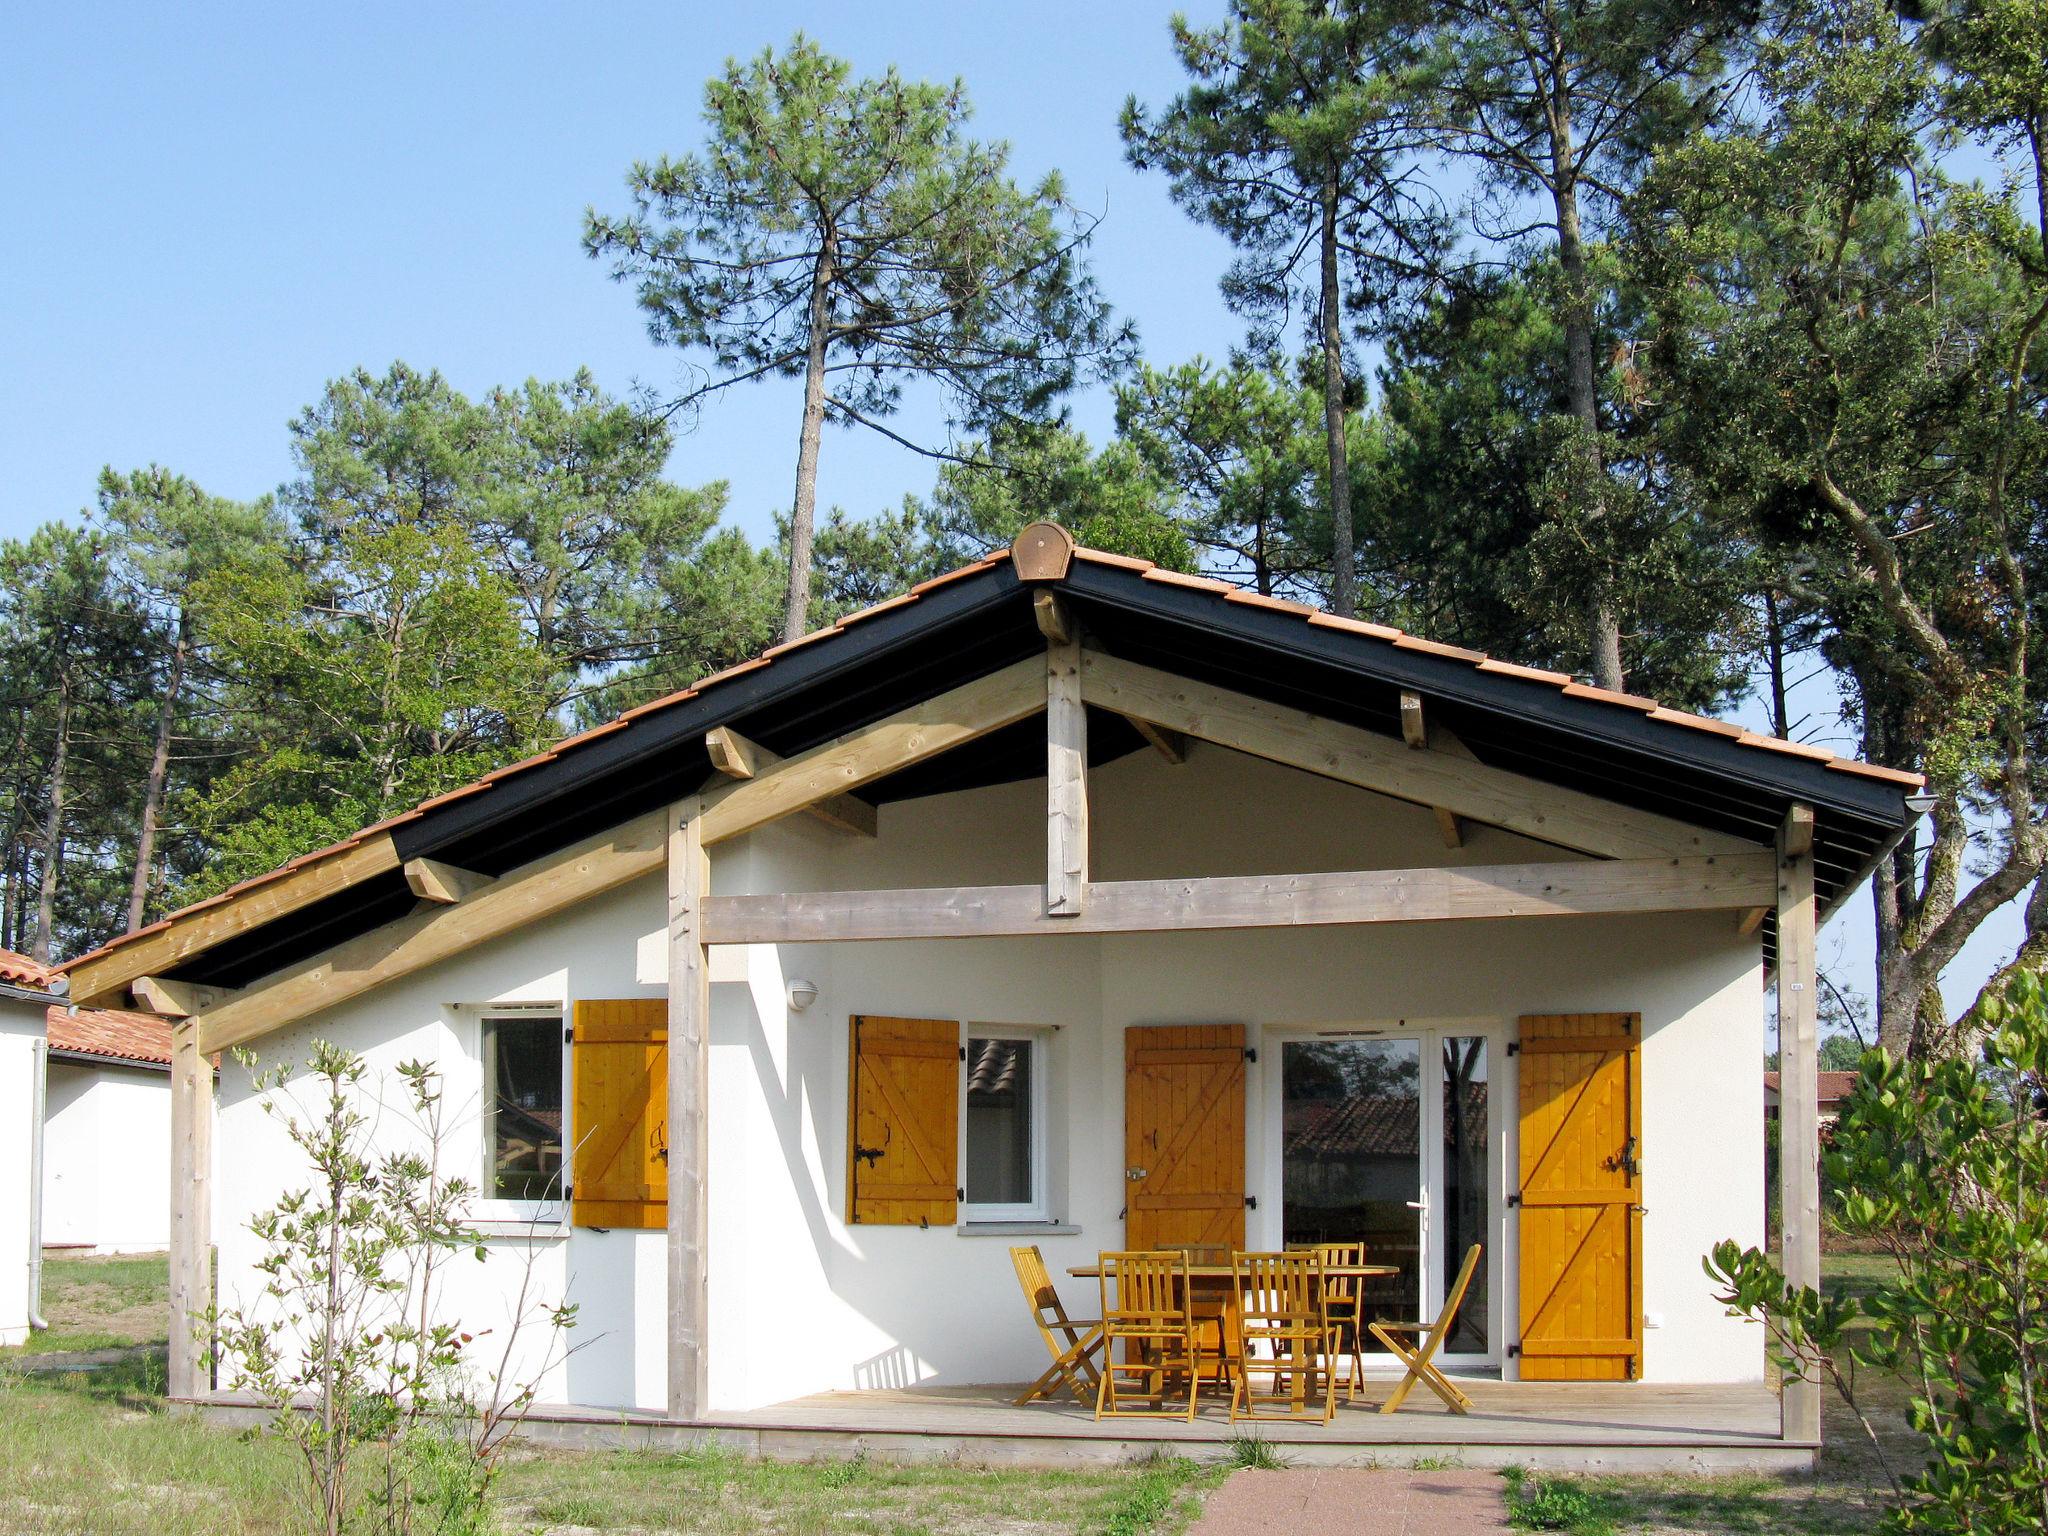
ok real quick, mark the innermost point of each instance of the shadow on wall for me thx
(891, 1369)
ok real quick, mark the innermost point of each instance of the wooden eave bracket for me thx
(738, 757)
(170, 998)
(443, 884)
(1415, 731)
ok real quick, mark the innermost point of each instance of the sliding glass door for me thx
(1392, 1139)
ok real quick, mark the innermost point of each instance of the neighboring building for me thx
(24, 994)
(1072, 901)
(106, 1123)
(1834, 1087)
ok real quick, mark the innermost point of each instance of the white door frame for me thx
(1503, 1115)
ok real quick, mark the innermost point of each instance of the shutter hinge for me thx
(1514, 1350)
(960, 1195)
(1514, 1200)
(1251, 1202)
(568, 1034)
(1251, 1053)
(1514, 1047)
(963, 1053)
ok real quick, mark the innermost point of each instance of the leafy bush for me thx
(1550, 1504)
(1943, 1164)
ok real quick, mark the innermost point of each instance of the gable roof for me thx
(1833, 1087)
(972, 621)
(111, 1034)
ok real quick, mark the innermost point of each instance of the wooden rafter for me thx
(432, 880)
(1430, 777)
(98, 982)
(739, 757)
(1560, 888)
(174, 999)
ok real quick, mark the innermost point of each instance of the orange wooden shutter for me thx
(1184, 1135)
(618, 1053)
(904, 1159)
(1581, 1213)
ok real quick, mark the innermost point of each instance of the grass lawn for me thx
(94, 1450)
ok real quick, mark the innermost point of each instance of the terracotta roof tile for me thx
(1181, 579)
(1697, 722)
(1610, 696)
(1533, 674)
(1878, 771)
(110, 1032)
(1433, 648)
(1789, 748)
(1104, 557)
(21, 971)
(1323, 620)
(1261, 600)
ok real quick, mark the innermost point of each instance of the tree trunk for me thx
(1333, 409)
(803, 511)
(159, 773)
(1582, 390)
(53, 831)
(1774, 647)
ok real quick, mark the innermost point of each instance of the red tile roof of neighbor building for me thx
(111, 1033)
(21, 971)
(1223, 591)
(1834, 1086)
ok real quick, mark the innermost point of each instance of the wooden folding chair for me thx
(1429, 1338)
(1344, 1301)
(1073, 1342)
(1280, 1305)
(1147, 1307)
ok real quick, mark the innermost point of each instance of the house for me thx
(1072, 901)
(1833, 1087)
(24, 994)
(106, 1125)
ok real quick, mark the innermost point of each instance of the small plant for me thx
(1255, 1452)
(844, 1474)
(1153, 1491)
(1551, 1504)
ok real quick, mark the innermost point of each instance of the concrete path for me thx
(1355, 1501)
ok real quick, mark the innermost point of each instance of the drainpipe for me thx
(38, 1097)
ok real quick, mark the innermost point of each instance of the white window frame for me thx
(487, 1207)
(1038, 1208)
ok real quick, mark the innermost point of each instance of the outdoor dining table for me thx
(1217, 1280)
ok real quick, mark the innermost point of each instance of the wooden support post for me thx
(689, 1081)
(1798, 1099)
(191, 1210)
(1066, 781)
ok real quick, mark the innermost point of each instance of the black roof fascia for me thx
(1448, 677)
(682, 727)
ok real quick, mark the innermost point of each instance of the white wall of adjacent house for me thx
(21, 1031)
(803, 1301)
(106, 1181)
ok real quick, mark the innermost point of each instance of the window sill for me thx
(1017, 1229)
(543, 1226)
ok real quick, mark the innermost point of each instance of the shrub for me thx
(1943, 1165)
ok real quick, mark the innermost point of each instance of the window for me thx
(1003, 1131)
(522, 1098)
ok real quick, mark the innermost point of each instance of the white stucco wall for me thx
(888, 1305)
(106, 1165)
(21, 1034)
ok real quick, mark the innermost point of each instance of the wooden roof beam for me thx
(99, 981)
(174, 999)
(1415, 731)
(1557, 888)
(444, 884)
(738, 757)
(1433, 776)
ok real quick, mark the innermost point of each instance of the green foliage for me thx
(1255, 1452)
(1944, 1164)
(1147, 1499)
(1553, 1504)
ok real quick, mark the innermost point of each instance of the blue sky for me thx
(218, 208)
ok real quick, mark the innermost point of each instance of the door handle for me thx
(1137, 1175)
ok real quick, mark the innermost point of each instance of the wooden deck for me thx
(1591, 1427)
(1586, 1427)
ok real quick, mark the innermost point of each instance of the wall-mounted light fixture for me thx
(801, 995)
